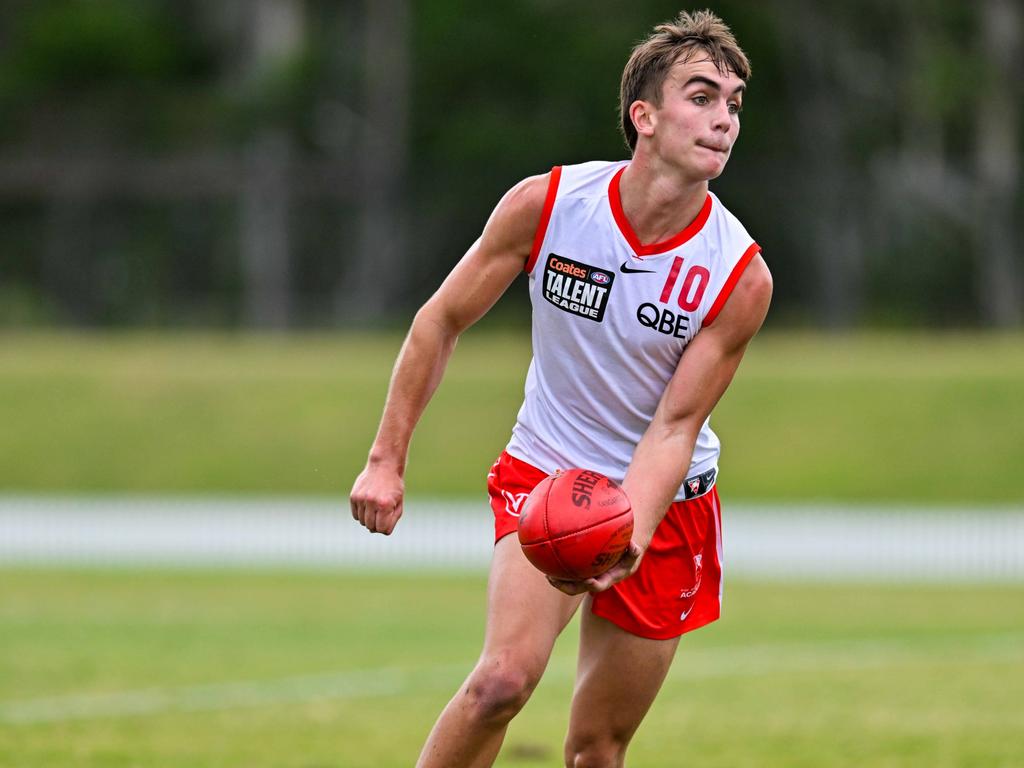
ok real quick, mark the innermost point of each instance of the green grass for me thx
(794, 675)
(862, 418)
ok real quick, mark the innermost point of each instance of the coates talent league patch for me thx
(577, 288)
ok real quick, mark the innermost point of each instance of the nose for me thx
(722, 120)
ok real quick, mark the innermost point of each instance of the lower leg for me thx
(471, 728)
(618, 677)
(525, 615)
(603, 751)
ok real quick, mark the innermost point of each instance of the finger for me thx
(367, 517)
(626, 564)
(374, 520)
(386, 522)
(612, 576)
(566, 586)
(391, 519)
(570, 589)
(369, 514)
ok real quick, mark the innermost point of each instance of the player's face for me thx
(698, 120)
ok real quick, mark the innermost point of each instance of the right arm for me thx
(472, 288)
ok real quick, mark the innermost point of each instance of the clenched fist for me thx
(377, 497)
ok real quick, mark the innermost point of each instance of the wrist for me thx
(643, 540)
(386, 460)
(643, 529)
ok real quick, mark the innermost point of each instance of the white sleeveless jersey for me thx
(611, 319)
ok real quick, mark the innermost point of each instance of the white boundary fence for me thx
(828, 542)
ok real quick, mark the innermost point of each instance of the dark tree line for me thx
(293, 163)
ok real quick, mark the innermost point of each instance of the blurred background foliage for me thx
(305, 163)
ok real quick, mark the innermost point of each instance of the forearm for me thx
(657, 470)
(662, 458)
(659, 466)
(417, 374)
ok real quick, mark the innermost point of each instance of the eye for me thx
(735, 109)
(700, 100)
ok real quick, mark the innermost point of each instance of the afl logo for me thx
(599, 277)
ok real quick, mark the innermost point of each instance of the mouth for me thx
(723, 150)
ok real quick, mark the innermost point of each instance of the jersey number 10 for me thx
(694, 285)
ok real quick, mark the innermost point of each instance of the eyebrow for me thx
(711, 84)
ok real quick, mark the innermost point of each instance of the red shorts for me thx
(678, 586)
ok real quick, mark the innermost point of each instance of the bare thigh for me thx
(617, 679)
(525, 614)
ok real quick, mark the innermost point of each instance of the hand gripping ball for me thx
(575, 524)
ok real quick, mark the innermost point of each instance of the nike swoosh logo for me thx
(630, 270)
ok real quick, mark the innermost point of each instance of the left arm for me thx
(662, 457)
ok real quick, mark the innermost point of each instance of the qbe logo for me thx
(576, 288)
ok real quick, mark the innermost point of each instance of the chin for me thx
(707, 173)
(716, 172)
(707, 168)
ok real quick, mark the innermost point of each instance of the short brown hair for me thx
(652, 58)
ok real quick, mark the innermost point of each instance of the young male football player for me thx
(645, 293)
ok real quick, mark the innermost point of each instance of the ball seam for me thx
(582, 530)
(549, 541)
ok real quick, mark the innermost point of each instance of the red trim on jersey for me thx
(626, 228)
(545, 217)
(734, 277)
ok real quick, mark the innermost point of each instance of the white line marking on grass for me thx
(704, 663)
(231, 695)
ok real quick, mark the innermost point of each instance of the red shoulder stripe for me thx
(545, 217)
(730, 283)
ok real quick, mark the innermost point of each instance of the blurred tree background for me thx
(316, 163)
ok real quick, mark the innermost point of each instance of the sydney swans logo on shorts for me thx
(577, 288)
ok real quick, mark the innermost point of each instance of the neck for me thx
(657, 200)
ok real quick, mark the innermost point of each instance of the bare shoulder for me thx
(514, 221)
(755, 286)
(745, 310)
(490, 265)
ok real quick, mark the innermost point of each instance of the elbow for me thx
(682, 427)
(431, 318)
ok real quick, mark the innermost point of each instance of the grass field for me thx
(119, 668)
(871, 417)
(308, 670)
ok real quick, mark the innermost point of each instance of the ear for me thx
(642, 114)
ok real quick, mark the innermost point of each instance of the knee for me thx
(606, 750)
(498, 689)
